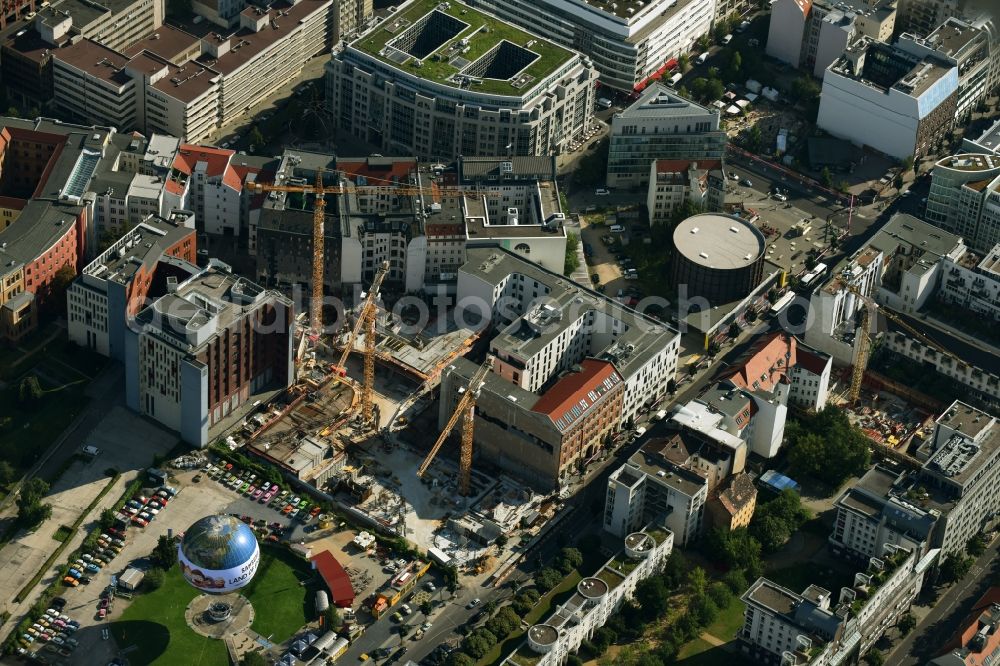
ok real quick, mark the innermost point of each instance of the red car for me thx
(141, 522)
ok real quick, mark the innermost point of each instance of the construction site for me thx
(356, 427)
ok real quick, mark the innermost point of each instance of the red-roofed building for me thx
(584, 406)
(674, 182)
(336, 579)
(204, 180)
(977, 642)
(764, 364)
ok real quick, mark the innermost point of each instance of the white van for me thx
(604, 102)
(727, 39)
(90, 451)
(675, 79)
(702, 58)
(640, 431)
(660, 415)
(617, 228)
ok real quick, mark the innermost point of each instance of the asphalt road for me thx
(924, 642)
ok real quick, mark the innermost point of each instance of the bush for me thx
(154, 578)
(547, 578)
(525, 601)
(503, 623)
(736, 581)
(460, 659)
(568, 560)
(478, 643)
(720, 595)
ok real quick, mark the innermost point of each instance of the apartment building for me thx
(545, 324)
(872, 514)
(921, 17)
(125, 278)
(628, 42)
(973, 284)
(200, 357)
(27, 55)
(978, 637)
(888, 99)
(973, 48)
(661, 125)
(430, 81)
(542, 438)
(811, 35)
(732, 507)
(46, 216)
(657, 486)
(964, 198)
(672, 183)
(783, 627)
(596, 599)
(810, 377)
(950, 499)
(210, 182)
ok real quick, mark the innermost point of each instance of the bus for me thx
(782, 303)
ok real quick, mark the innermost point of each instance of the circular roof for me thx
(217, 543)
(719, 241)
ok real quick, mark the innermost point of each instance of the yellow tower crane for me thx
(319, 190)
(366, 320)
(863, 341)
(465, 408)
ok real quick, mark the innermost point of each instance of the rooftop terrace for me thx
(452, 44)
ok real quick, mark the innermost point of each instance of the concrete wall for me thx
(786, 31)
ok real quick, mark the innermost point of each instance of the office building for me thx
(627, 42)
(717, 258)
(811, 34)
(661, 125)
(542, 438)
(596, 599)
(973, 284)
(783, 627)
(431, 81)
(348, 16)
(964, 198)
(888, 99)
(672, 183)
(921, 17)
(199, 358)
(125, 278)
(547, 324)
(977, 640)
(660, 486)
(972, 47)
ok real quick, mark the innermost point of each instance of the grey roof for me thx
(658, 101)
(909, 232)
(516, 167)
(642, 339)
(148, 241)
(719, 241)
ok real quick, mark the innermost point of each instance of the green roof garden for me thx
(436, 43)
(611, 577)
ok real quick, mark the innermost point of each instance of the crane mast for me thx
(465, 409)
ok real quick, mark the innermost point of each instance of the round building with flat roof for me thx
(718, 257)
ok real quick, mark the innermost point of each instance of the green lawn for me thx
(282, 595)
(154, 624)
(728, 622)
(62, 533)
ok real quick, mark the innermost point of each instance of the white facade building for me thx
(597, 598)
(964, 198)
(888, 99)
(810, 377)
(973, 284)
(548, 324)
(628, 42)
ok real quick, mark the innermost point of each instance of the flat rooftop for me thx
(990, 138)
(952, 36)
(970, 162)
(642, 336)
(442, 41)
(655, 465)
(144, 245)
(907, 232)
(966, 419)
(719, 241)
(168, 42)
(772, 596)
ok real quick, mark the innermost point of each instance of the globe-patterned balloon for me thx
(218, 554)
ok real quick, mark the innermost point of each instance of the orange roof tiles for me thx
(576, 393)
(766, 363)
(218, 162)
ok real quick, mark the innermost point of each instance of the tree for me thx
(755, 140)
(683, 62)
(30, 510)
(804, 88)
(720, 595)
(735, 63)
(457, 658)
(771, 532)
(426, 607)
(573, 660)
(703, 610)
(826, 446)
(976, 546)
(107, 519)
(704, 42)
(874, 658)
(569, 559)
(253, 659)
(906, 623)
(153, 580)
(652, 596)
(826, 178)
(7, 473)
(698, 87)
(714, 90)
(671, 386)
(697, 580)
(603, 638)
(30, 391)
(675, 570)
(525, 600)
(906, 163)
(13, 112)
(547, 578)
(501, 542)
(955, 567)
(734, 330)
(164, 555)
(331, 616)
(503, 623)
(572, 257)
(257, 139)
(735, 581)
(734, 548)
(62, 279)
(478, 643)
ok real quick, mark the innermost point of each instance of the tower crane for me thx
(864, 341)
(465, 408)
(319, 190)
(366, 320)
